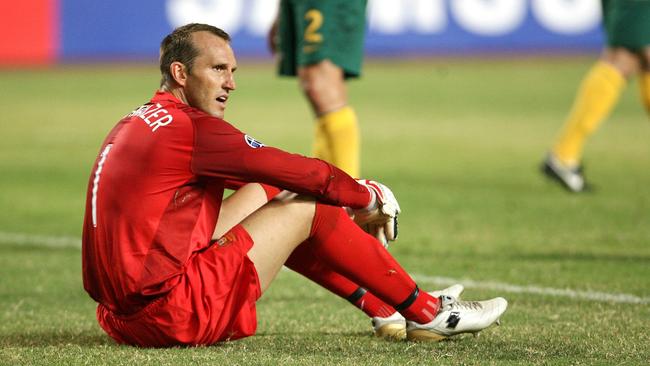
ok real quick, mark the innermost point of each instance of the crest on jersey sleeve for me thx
(252, 142)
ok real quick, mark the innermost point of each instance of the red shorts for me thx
(214, 301)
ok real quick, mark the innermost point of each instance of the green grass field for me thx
(459, 141)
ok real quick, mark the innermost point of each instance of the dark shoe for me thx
(570, 178)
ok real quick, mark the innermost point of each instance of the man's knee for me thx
(626, 61)
(293, 218)
(299, 207)
(323, 84)
(276, 230)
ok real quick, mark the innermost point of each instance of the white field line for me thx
(40, 240)
(536, 290)
(596, 296)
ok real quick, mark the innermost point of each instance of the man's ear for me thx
(178, 72)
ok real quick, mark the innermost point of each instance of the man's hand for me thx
(382, 231)
(380, 217)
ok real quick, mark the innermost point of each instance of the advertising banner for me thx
(132, 30)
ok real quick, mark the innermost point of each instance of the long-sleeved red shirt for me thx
(156, 188)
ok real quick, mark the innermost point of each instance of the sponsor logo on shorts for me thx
(226, 240)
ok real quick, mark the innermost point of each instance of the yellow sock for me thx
(321, 147)
(337, 140)
(596, 97)
(644, 83)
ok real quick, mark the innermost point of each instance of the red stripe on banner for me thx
(28, 32)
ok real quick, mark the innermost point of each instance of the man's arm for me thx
(270, 191)
(220, 150)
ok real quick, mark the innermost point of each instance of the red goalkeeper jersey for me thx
(156, 188)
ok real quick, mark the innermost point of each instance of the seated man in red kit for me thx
(170, 262)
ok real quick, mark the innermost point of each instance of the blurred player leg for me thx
(627, 34)
(341, 132)
(320, 146)
(322, 43)
(336, 138)
(596, 97)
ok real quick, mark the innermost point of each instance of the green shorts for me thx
(627, 23)
(311, 31)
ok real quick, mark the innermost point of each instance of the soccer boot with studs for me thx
(394, 326)
(456, 317)
(570, 178)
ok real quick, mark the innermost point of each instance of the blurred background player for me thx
(321, 41)
(627, 54)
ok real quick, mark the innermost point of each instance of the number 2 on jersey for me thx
(315, 19)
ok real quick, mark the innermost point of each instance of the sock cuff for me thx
(339, 119)
(409, 300)
(356, 295)
(326, 218)
(271, 191)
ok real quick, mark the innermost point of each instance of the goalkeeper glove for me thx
(380, 217)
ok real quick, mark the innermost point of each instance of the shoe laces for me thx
(449, 302)
(470, 305)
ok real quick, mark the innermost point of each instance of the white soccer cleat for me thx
(456, 317)
(453, 291)
(394, 326)
(570, 177)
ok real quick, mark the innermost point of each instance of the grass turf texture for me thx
(459, 141)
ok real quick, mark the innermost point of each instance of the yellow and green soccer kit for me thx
(311, 31)
(627, 25)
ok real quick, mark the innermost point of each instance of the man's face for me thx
(211, 79)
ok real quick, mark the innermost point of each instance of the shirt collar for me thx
(162, 96)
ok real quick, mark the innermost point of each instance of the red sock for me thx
(358, 256)
(370, 304)
(303, 261)
(420, 307)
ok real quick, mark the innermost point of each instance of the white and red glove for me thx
(380, 217)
